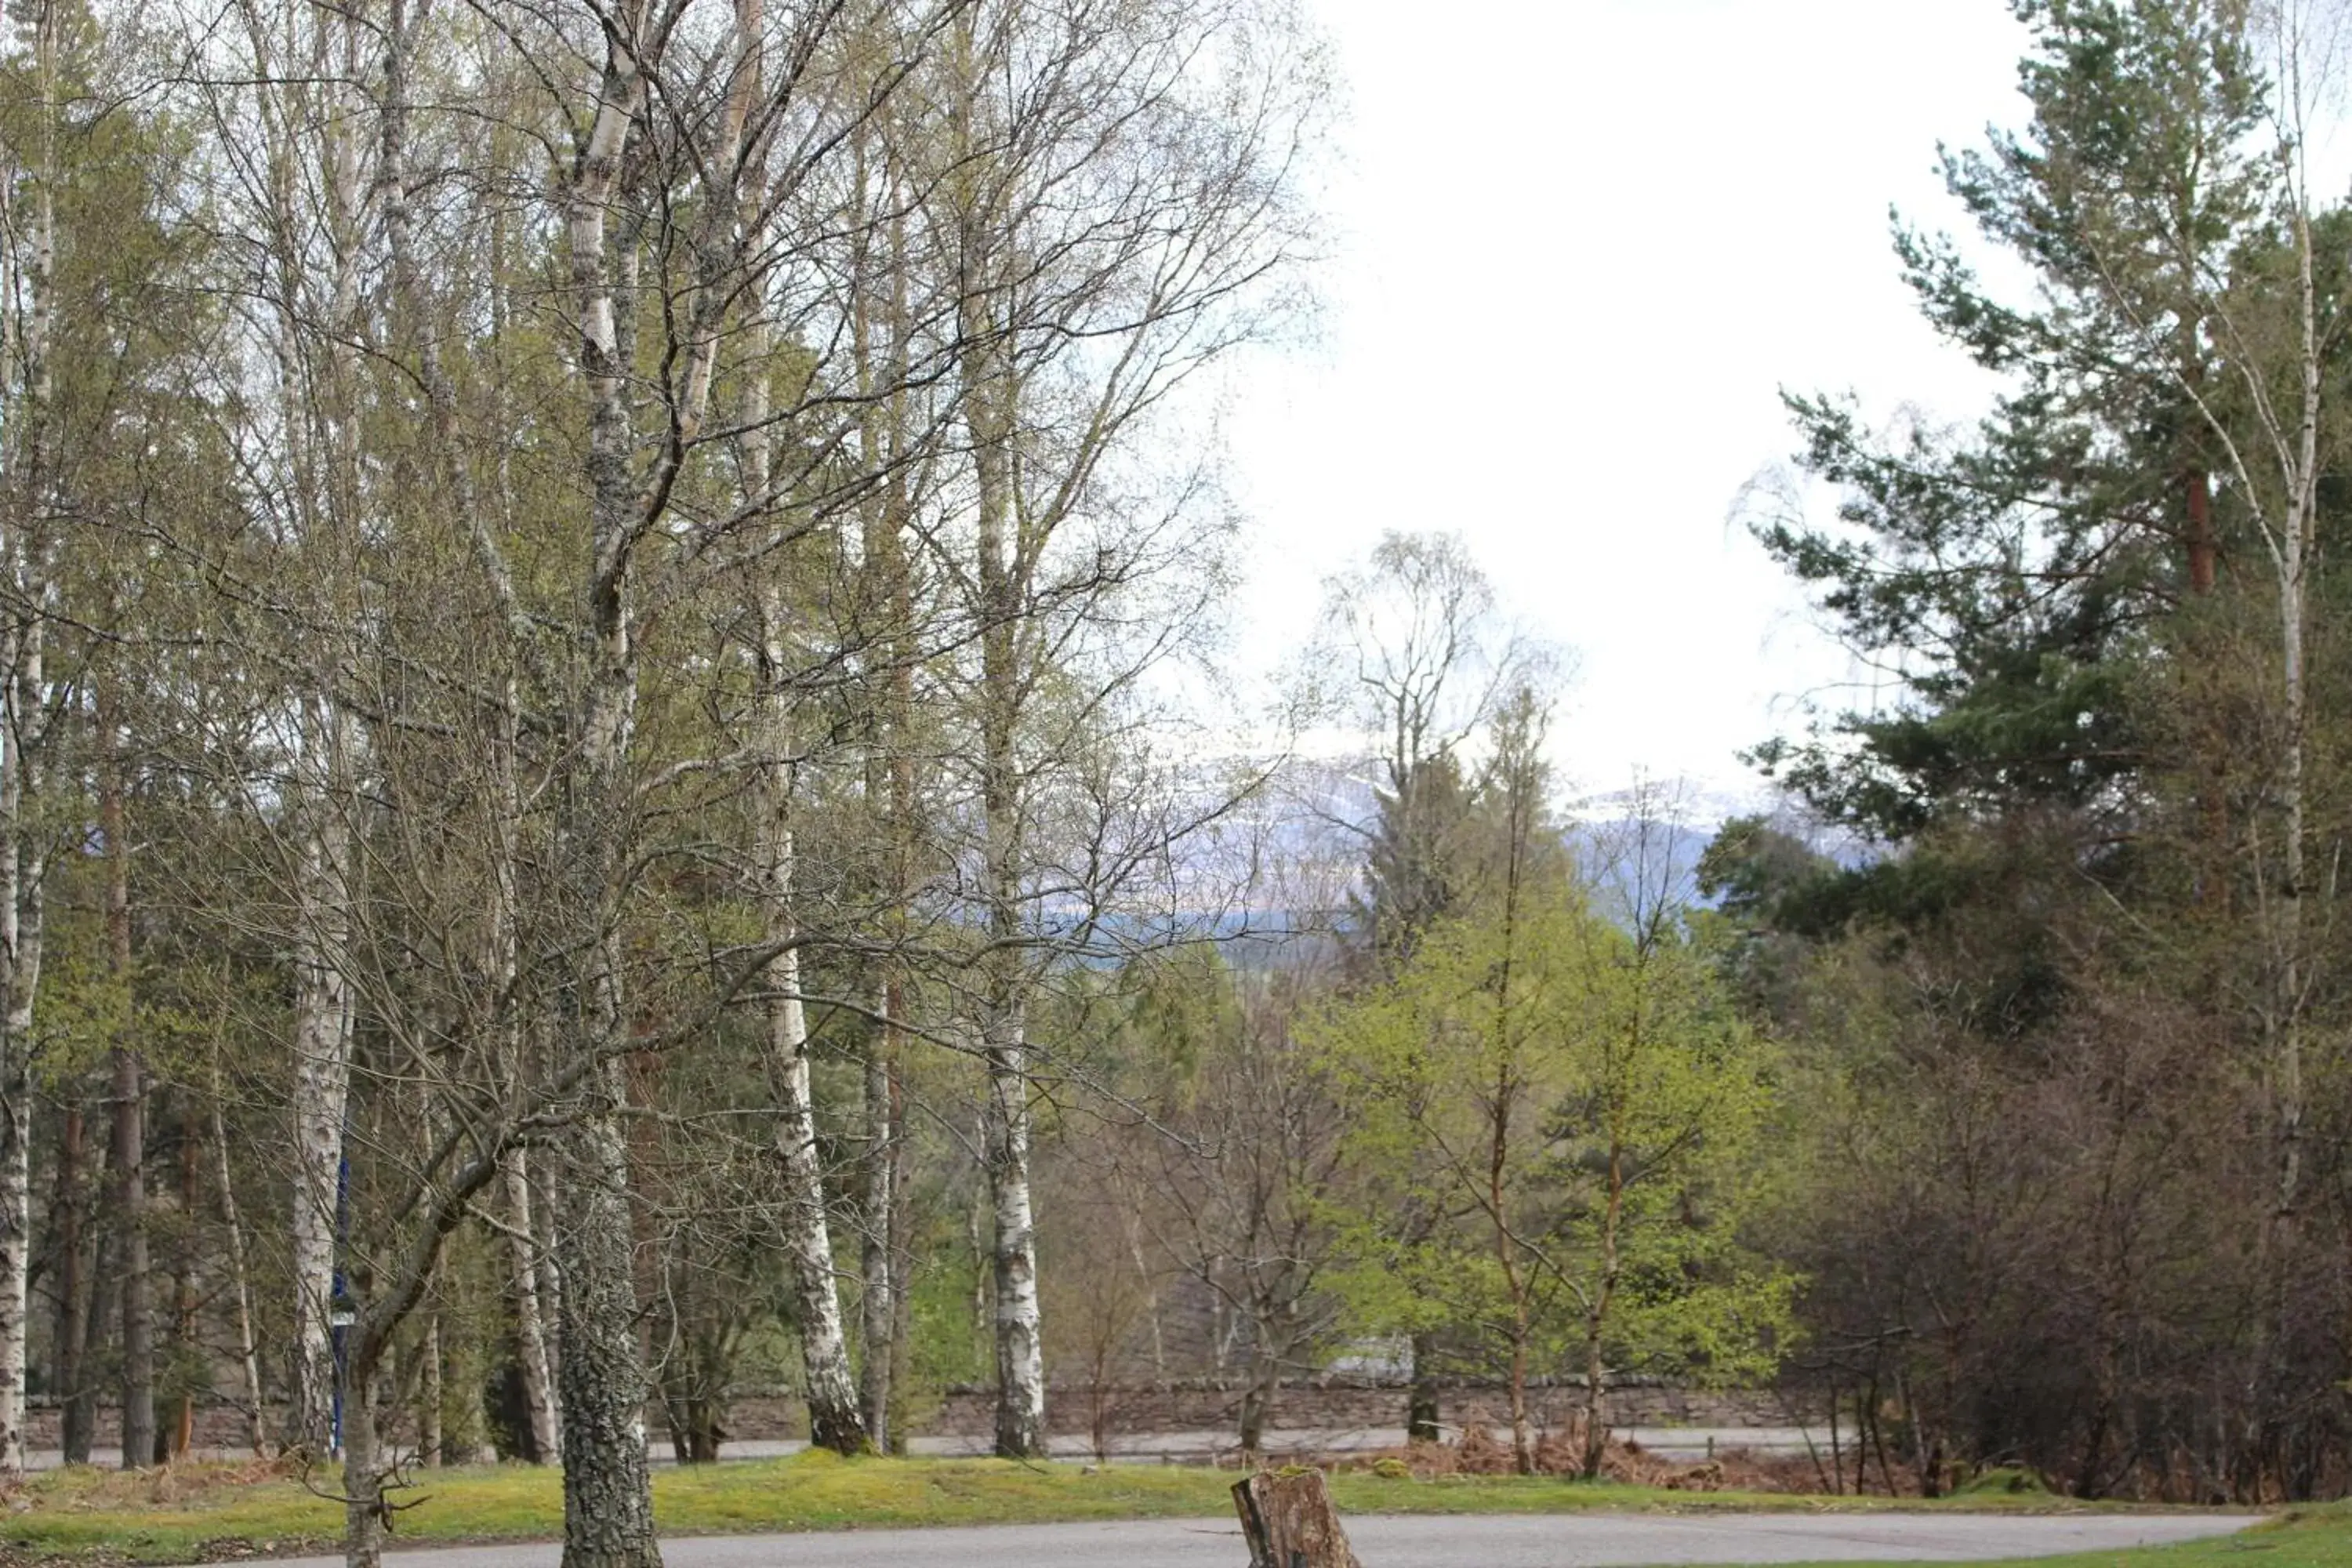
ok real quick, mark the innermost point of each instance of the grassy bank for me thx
(2300, 1538)
(199, 1513)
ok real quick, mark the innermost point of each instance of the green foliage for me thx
(2008, 575)
(1549, 1096)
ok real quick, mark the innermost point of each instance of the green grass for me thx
(2299, 1538)
(209, 1513)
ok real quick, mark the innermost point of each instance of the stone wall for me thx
(1328, 1406)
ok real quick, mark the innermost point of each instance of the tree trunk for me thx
(77, 1399)
(2204, 551)
(1421, 1413)
(878, 343)
(23, 858)
(878, 1305)
(607, 1496)
(1523, 1443)
(1258, 1404)
(324, 888)
(2291, 966)
(530, 1333)
(1020, 1363)
(363, 1502)
(546, 1209)
(835, 1420)
(323, 1038)
(20, 937)
(186, 1346)
(130, 1152)
(130, 1213)
(832, 1391)
(429, 1395)
(248, 1354)
(1003, 571)
(1288, 1522)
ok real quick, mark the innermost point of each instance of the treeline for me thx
(2072, 998)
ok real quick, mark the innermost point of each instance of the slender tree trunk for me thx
(832, 1391)
(1020, 1363)
(325, 890)
(1522, 786)
(530, 1335)
(23, 859)
(878, 1305)
(546, 1206)
(20, 943)
(186, 1344)
(1523, 1442)
(1421, 1412)
(130, 1108)
(1003, 571)
(880, 352)
(607, 1495)
(322, 1037)
(831, 1388)
(2301, 509)
(78, 1400)
(130, 1213)
(248, 1354)
(363, 1502)
(1020, 1366)
(2290, 975)
(1257, 1402)
(429, 1395)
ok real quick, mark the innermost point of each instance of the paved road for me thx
(1149, 1447)
(1580, 1541)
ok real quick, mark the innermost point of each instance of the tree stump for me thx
(1289, 1522)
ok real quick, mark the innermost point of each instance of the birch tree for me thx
(30, 455)
(1117, 203)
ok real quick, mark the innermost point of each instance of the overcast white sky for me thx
(1577, 248)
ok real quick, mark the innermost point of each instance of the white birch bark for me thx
(323, 1039)
(879, 342)
(21, 932)
(530, 1333)
(1020, 1351)
(22, 857)
(1019, 1335)
(877, 1293)
(833, 1419)
(607, 1493)
(324, 1000)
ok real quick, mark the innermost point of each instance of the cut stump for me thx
(1290, 1523)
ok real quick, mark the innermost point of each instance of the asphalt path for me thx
(1572, 1540)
